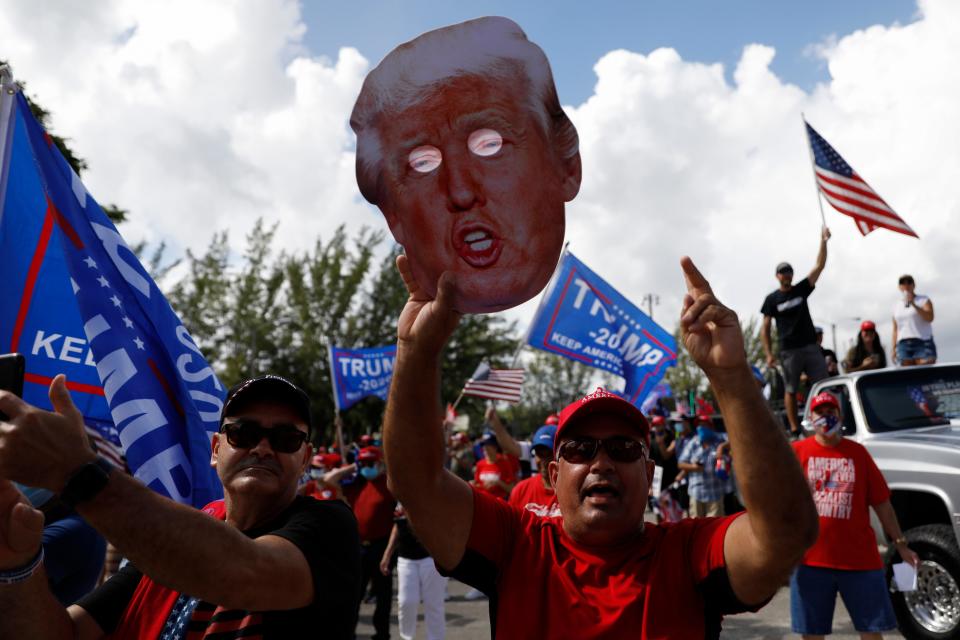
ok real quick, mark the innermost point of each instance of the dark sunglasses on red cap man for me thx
(583, 448)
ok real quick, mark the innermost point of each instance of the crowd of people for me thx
(554, 530)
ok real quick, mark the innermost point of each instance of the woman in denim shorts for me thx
(913, 326)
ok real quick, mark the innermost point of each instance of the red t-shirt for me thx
(845, 481)
(671, 583)
(530, 494)
(373, 506)
(491, 471)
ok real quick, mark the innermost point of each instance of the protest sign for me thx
(485, 199)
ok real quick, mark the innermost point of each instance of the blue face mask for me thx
(370, 473)
(827, 425)
(706, 434)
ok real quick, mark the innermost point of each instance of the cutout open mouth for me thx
(477, 245)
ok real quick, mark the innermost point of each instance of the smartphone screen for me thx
(11, 374)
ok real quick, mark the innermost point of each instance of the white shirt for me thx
(909, 322)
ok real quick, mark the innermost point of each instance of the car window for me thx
(846, 410)
(911, 397)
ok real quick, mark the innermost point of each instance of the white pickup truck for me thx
(909, 420)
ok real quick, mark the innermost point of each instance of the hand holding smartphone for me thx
(12, 367)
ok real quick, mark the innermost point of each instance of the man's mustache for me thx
(254, 461)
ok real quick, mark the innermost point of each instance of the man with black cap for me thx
(263, 561)
(799, 351)
(598, 570)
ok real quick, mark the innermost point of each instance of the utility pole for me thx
(651, 299)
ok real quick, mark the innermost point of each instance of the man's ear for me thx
(572, 174)
(307, 455)
(214, 449)
(553, 468)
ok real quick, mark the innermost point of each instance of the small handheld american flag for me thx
(495, 384)
(848, 193)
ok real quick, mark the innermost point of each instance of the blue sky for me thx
(576, 34)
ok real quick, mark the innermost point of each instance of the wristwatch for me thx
(86, 482)
(899, 541)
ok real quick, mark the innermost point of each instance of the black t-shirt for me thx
(789, 309)
(326, 533)
(408, 546)
(670, 468)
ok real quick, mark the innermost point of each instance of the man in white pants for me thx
(418, 580)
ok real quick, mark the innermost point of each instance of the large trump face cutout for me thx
(463, 145)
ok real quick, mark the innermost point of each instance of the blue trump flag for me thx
(585, 319)
(359, 373)
(74, 299)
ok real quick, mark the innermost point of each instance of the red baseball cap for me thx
(552, 419)
(366, 439)
(704, 419)
(369, 453)
(657, 421)
(602, 401)
(318, 460)
(333, 460)
(824, 398)
(867, 325)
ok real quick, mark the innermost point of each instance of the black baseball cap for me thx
(784, 266)
(268, 388)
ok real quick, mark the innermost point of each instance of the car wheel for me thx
(933, 610)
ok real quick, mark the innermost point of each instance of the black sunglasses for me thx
(283, 437)
(619, 448)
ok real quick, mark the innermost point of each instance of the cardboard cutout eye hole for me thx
(425, 159)
(485, 142)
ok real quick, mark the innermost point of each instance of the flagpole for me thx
(813, 167)
(8, 94)
(543, 301)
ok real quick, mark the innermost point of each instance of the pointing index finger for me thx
(696, 283)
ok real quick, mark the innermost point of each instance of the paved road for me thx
(467, 620)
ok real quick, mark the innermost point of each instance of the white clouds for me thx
(201, 116)
(678, 161)
(197, 116)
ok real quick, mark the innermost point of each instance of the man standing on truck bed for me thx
(799, 351)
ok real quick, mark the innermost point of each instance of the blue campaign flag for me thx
(359, 373)
(585, 319)
(74, 299)
(662, 390)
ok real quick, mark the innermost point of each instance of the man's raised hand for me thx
(21, 528)
(42, 448)
(710, 331)
(426, 324)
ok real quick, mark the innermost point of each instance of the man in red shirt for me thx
(845, 483)
(493, 474)
(599, 570)
(373, 504)
(536, 492)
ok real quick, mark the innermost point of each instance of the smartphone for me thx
(12, 366)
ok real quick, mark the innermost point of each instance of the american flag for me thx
(107, 449)
(848, 193)
(495, 384)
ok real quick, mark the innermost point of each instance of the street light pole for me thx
(651, 299)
